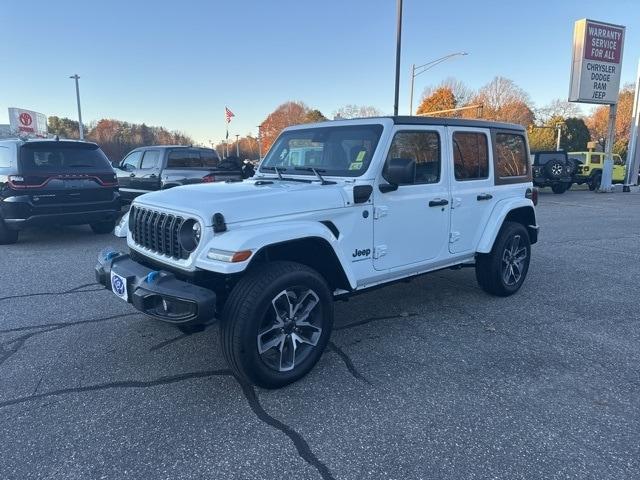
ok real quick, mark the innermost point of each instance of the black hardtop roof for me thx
(172, 146)
(454, 122)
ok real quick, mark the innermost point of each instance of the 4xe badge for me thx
(119, 286)
(361, 254)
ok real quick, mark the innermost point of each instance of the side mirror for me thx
(399, 171)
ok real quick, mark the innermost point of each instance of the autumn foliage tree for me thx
(287, 114)
(442, 98)
(598, 121)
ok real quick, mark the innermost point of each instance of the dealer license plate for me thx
(119, 286)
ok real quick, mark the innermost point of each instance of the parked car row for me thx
(560, 170)
(69, 182)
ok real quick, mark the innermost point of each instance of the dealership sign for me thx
(597, 58)
(27, 122)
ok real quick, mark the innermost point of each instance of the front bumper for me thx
(158, 293)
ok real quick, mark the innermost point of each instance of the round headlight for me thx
(189, 235)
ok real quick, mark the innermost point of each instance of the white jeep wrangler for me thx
(365, 202)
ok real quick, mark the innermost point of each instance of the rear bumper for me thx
(546, 182)
(158, 293)
(19, 212)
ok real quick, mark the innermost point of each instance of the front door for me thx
(147, 178)
(411, 224)
(471, 186)
(126, 173)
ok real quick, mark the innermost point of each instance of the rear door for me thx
(147, 178)
(411, 224)
(471, 186)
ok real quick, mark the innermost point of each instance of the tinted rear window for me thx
(62, 157)
(192, 158)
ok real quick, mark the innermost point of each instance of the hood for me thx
(247, 200)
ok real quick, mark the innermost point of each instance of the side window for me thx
(209, 158)
(5, 157)
(470, 155)
(184, 158)
(596, 158)
(150, 160)
(131, 161)
(424, 148)
(511, 155)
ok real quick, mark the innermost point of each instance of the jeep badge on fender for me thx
(267, 256)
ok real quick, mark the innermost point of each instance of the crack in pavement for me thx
(304, 451)
(77, 289)
(169, 342)
(348, 363)
(302, 447)
(116, 385)
(374, 319)
(18, 343)
(68, 324)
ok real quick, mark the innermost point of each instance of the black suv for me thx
(147, 169)
(45, 182)
(553, 169)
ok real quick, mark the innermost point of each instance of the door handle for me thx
(484, 196)
(438, 202)
(132, 174)
(153, 175)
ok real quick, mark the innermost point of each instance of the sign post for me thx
(27, 122)
(633, 153)
(595, 76)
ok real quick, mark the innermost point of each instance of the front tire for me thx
(102, 228)
(503, 271)
(560, 188)
(276, 323)
(594, 181)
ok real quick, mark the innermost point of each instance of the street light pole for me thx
(237, 145)
(259, 144)
(398, 49)
(80, 127)
(420, 69)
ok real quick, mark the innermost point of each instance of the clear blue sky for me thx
(177, 64)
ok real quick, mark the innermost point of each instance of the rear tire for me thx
(102, 228)
(7, 237)
(276, 323)
(503, 271)
(560, 188)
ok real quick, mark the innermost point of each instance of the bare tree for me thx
(356, 111)
(557, 108)
(462, 93)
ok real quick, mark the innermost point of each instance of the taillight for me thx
(532, 194)
(208, 179)
(17, 181)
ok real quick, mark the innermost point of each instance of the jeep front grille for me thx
(157, 231)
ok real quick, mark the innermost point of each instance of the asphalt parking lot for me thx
(431, 379)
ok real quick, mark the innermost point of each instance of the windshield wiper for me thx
(279, 171)
(316, 172)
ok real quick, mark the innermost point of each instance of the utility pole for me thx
(398, 49)
(633, 153)
(420, 69)
(259, 144)
(76, 77)
(237, 146)
(559, 128)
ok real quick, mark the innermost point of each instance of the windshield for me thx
(338, 151)
(64, 157)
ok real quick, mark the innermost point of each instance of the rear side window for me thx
(5, 157)
(209, 158)
(62, 157)
(470, 155)
(150, 160)
(511, 155)
(424, 149)
(184, 158)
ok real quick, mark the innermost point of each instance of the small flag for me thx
(228, 114)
